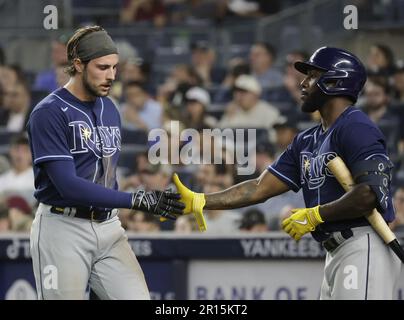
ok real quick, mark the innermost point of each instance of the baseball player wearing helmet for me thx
(358, 264)
(76, 237)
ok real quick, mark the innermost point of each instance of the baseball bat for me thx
(344, 177)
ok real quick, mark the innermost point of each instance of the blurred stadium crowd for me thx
(255, 89)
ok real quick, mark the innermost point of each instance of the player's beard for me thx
(91, 89)
(314, 101)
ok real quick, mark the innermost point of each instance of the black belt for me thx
(83, 213)
(336, 239)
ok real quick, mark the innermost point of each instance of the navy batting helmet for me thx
(341, 67)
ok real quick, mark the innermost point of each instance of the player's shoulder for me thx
(306, 134)
(355, 116)
(49, 103)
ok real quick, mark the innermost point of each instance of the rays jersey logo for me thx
(313, 170)
(85, 138)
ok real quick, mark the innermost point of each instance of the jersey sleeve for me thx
(360, 141)
(48, 133)
(287, 167)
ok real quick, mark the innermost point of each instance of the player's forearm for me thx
(237, 196)
(83, 192)
(356, 203)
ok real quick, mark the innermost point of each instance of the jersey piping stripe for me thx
(75, 109)
(53, 156)
(283, 176)
(377, 154)
(102, 110)
(353, 112)
(367, 269)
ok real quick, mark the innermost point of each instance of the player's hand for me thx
(302, 221)
(194, 202)
(163, 203)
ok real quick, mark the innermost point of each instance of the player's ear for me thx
(78, 65)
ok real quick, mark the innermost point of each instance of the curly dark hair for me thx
(72, 46)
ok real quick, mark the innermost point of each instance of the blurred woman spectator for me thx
(381, 60)
(19, 179)
(196, 102)
(150, 11)
(140, 110)
(20, 214)
(262, 58)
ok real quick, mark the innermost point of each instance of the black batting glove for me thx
(162, 203)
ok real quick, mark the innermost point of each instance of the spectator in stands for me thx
(265, 153)
(48, 80)
(398, 224)
(17, 101)
(220, 221)
(152, 12)
(3, 110)
(247, 110)
(186, 224)
(285, 132)
(4, 219)
(203, 59)
(262, 58)
(195, 116)
(20, 178)
(253, 221)
(140, 110)
(252, 8)
(398, 84)
(61, 76)
(142, 222)
(20, 214)
(171, 94)
(133, 70)
(236, 68)
(293, 78)
(381, 59)
(2, 57)
(194, 12)
(156, 177)
(9, 76)
(376, 105)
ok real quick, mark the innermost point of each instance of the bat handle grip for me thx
(396, 247)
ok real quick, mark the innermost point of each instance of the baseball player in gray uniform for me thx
(76, 237)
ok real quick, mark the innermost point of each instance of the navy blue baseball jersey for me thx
(353, 137)
(62, 127)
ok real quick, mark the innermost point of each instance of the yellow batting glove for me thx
(302, 221)
(194, 202)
